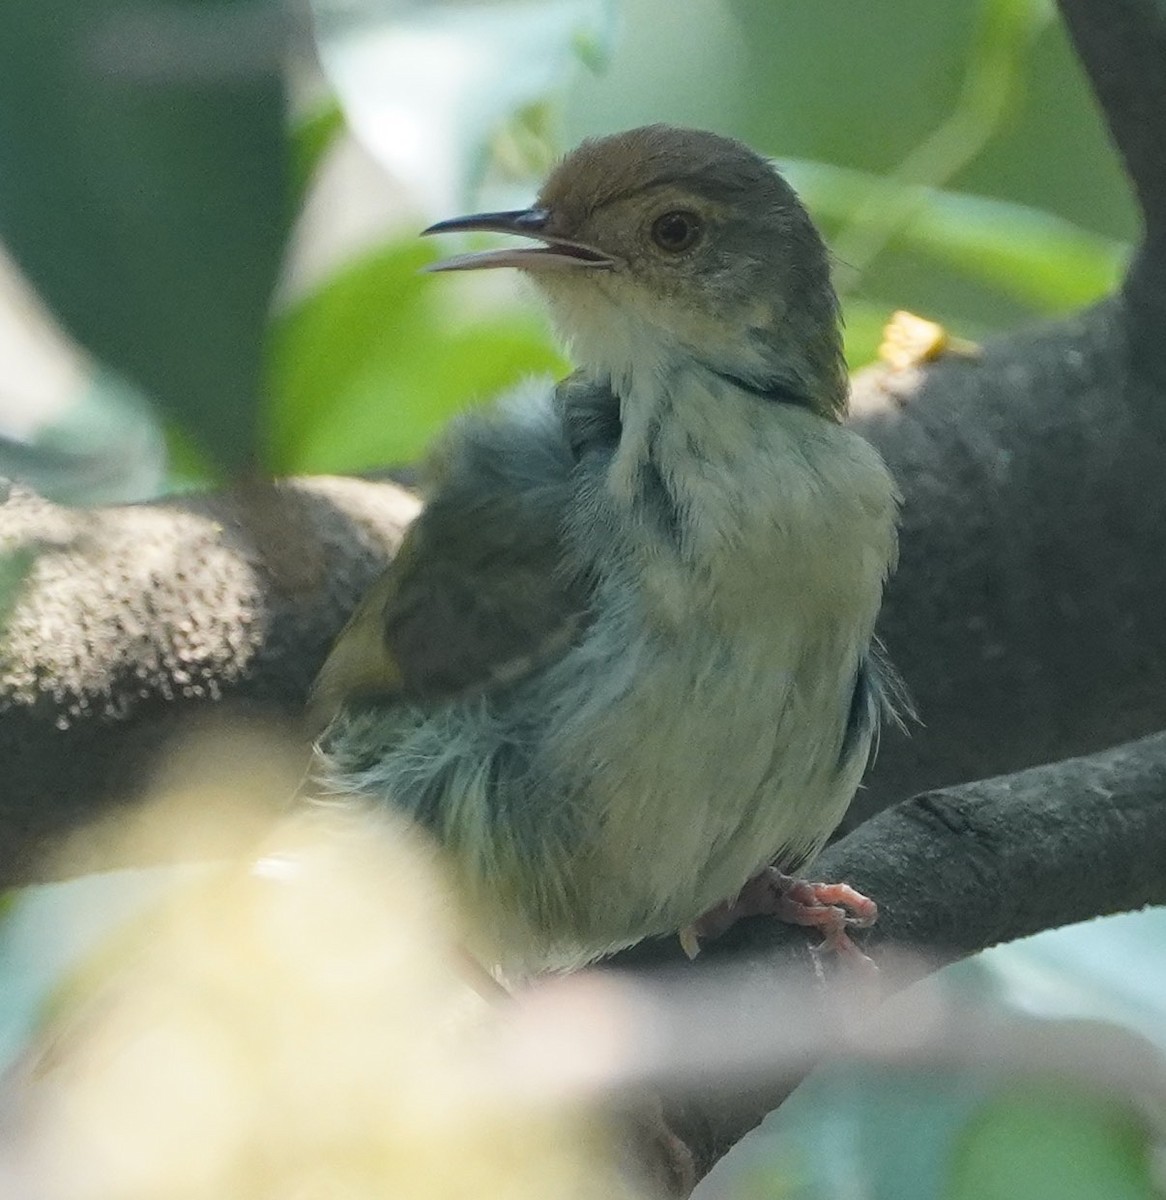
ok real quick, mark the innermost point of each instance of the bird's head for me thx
(661, 245)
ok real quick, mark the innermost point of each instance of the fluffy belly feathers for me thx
(699, 770)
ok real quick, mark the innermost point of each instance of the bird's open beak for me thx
(556, 253)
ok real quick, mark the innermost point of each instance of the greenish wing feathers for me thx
(479, 593)
(479, 603)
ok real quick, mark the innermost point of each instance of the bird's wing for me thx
(482, 590)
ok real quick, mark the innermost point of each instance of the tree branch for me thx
(136, 621)
(1025, 616)
(954, 871)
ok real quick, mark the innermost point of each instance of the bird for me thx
(624, 668)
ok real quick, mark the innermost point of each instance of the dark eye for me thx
(676, 231)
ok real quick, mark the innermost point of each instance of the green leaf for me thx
(1052, 1142)
(312, 138)
(392, 410)
(1004, 31)
(321, 346)
(1051, 264)
(366, 369)
(1037, 257)
(143, 189)
(863, 332)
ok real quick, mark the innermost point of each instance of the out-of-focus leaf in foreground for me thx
(295, 1021)
(143, 189)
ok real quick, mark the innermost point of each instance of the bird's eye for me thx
(676, 231)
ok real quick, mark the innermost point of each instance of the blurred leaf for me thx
(367, 368)
(863, 331)
(392, 411)
(851, 1129)
(51, 933)
(105, 447)
(593, 45)
(998, 47)
(1035, 256)
(143, 191)
(762, 1181)
(1083, 972)
(312, 138)
(862, 87)
(1036, 1142)
(1040, 258)
(658, 68)
(188, 469)
(324, 342)
(527, 145)
(426, 90)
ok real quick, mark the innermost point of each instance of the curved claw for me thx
(831, 908)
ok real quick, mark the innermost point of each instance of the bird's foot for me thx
(831, 908)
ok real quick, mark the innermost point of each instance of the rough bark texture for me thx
(1026, 615)
(956, 870)
(133, 622)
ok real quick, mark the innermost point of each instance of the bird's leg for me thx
(831, 908)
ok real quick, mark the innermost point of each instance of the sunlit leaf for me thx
(371, 310)
(392, 411)
(366, 369)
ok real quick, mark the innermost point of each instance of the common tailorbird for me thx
(623, 667)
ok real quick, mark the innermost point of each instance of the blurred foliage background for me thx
(210, 211)
(953, 156)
